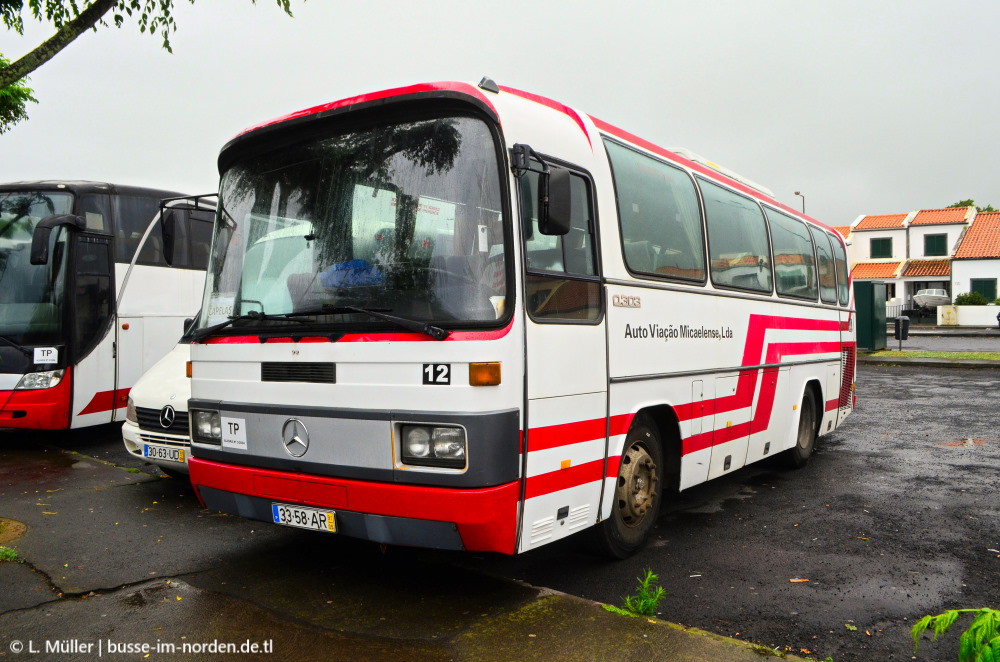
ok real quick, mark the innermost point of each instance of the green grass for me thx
(917, 354)
(7, 554)
(647, 598)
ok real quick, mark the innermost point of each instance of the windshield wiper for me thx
(15, 345)
(435, 332)
(201, 334)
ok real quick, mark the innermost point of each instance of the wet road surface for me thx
(894, 517)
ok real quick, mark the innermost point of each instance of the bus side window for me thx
(133, 214)
(96, 210)
(840, 258)
(659, 216)
(827, 274)
(737, 239)
(794, 266)
(562, 282)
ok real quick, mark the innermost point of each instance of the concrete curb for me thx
(928, 362)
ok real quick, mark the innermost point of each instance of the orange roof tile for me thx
(927, 268)
(844, 230)
(883, 222)
(982, 240)
(869, 270)
(938, 216)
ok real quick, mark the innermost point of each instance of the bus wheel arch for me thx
(638, 490)
(807, 426)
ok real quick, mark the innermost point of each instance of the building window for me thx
(935, 244)
(985, 286)
(890, 291)
(881, 247)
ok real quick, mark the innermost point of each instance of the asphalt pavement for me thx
(117, 562)
(116, 555)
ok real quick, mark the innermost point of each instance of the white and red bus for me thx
(87, 300)
(469, 317)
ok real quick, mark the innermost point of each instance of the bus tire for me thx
(805, 437)
(637, 493)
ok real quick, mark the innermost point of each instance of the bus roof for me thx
(83, 186)
(475, 94)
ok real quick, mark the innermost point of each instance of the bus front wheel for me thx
(805, 439)
(637, 493)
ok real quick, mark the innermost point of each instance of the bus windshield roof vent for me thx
(701, 160)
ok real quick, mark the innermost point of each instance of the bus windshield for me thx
(399, 218)
(31, 295)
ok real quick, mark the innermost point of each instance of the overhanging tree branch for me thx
(70, 30)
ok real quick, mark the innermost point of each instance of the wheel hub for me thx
(637, 481)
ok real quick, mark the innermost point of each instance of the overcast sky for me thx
(865, 107)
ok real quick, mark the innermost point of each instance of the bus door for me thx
(566, 355)
(94, 396)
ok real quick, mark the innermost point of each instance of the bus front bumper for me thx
(37, 409)
(481, 520)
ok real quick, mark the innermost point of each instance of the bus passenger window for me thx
(827, 275)
(794, 266)
(737, 239)
(840, 258)
(132, 215)
(562, 282)
(660, 220)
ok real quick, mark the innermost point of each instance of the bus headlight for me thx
(206, 426)
(433, 446)
(36, 380)
(130, 415)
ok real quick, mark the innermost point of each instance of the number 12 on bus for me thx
(470, 317)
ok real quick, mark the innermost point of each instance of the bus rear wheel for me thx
(805, 439)
(637, 493)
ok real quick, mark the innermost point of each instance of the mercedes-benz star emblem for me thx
(295, 437)
(167, 416)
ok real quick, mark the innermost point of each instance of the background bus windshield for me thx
(400, 218)
(31, 295)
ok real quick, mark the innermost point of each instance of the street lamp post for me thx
(803, 201)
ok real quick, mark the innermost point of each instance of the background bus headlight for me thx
(433, 446)
(206, 426)
(130, 414)
(37, 380)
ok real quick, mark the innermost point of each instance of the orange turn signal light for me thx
(187, 369)
(484, 374)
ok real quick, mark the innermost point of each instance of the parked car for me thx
(156, 424)
(931, 298)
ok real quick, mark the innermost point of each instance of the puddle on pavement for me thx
(10, 530)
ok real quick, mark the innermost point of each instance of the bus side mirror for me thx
(555, 201)
(168, 232)
(42, 231)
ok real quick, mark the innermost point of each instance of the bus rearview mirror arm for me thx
(554, 198)
(40, 235)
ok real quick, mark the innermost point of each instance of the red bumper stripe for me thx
(106, 401)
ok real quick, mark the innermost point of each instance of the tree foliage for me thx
(972, 203)
(71, 18)
(13, 101)
(979, 643)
